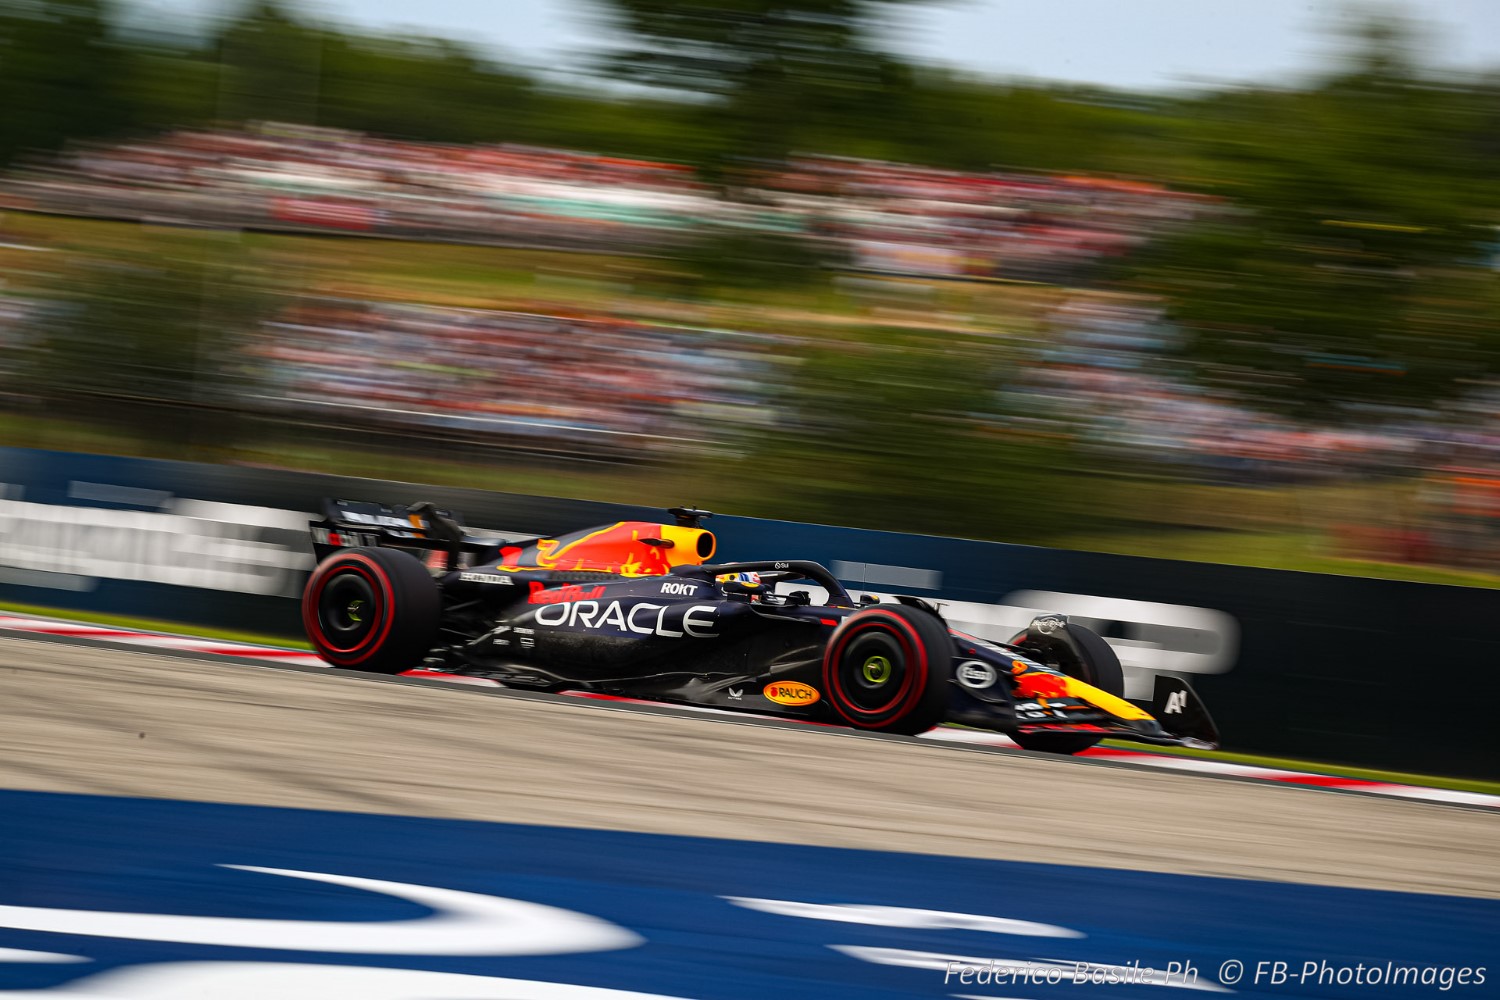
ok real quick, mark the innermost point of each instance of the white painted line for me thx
(1441, 795)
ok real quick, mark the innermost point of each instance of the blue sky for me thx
(1128, 43)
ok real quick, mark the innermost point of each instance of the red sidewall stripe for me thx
(915, 678)
(379, 581)
(317, 594)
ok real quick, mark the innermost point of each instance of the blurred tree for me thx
(60, 68)
(903, 437)
(651, 128)
(271, 65)
(1349, 268)
(135, 338)
(170, 81)
(806, 77)
(972, 123)
(277, 65)
(423, 88)
(768, 74)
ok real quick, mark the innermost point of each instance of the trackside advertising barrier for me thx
(1370, 672)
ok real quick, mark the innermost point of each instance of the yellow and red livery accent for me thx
(629, 548)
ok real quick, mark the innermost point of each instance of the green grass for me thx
(546, 280)
(648, 485)
(435, 273)
(154, 625)
(1315, 767)
(661, 486)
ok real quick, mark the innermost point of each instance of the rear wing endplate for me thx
(1181, 712)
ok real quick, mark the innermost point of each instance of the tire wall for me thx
(1369, 672)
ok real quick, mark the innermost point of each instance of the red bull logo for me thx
(562, 595)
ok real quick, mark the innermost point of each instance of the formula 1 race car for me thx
(635, 609)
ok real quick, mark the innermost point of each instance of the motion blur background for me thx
(825, 260)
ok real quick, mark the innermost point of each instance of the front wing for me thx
(1177, 717)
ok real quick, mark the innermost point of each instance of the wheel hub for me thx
(876, 670)
(347, 609)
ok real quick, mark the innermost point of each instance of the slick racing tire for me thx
(887, 669)
(372, 609)
(1098, 666)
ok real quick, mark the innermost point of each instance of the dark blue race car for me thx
(636, 609)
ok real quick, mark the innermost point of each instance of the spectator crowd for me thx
(886, 217)
(301, 177)
(586, 384)
(1105, 372)
(905, 219)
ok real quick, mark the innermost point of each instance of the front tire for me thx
(372, 609)
(1097, 665)
(887, 669)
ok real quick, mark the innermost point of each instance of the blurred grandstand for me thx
(891, 217)
(579, 385)
(302, 178)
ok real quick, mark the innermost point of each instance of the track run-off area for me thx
(211, 649)
(192, 822)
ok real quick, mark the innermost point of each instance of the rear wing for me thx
(422, 528)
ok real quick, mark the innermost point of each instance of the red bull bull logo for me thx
(1040, 685)
(630, 548)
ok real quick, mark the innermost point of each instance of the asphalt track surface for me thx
(92, 719)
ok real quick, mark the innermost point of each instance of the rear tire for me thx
(372, 609)
(887, 669)
(1098, 666)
